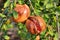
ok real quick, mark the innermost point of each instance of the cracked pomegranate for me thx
(35, 24)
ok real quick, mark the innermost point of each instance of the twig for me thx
(57, 24)
(32, 7)
(31, 4)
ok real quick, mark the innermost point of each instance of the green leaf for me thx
(54, 17)
(7, 3)
(15, 2)
(9, 26)
(6, 11)
(15, 14)
(2, 15)
(46, 16)
(4, 27)
(43, 33)
(6, 37)
(56, 36)
(49, 5)
(37, 12)
(51, 32)
(41, 8)
(20, 25)
(11, 6)
(46, 1)
(20, 1)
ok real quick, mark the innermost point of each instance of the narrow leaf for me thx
(7, 3)
(15, 14)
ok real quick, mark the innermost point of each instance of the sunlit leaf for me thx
(45, 2)
(7, 3)
(11, 6)
(46, 16)
(49, 5)
(20, 1)
(8, 21)
(56, 36)
(4, 27)
(2, 15)
(6, 37)
(10, 26)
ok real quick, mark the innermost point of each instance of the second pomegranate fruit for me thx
(35, 24)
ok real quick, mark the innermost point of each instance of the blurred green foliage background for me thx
(49, 10)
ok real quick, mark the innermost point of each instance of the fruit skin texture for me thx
(23, 12)
(35, 24)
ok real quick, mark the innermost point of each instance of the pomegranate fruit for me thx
(35, 24)
(23, 12)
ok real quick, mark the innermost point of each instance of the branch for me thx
(32, 7)
(31, 4)
(58, 24)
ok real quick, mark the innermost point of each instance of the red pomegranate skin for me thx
(23, 12)
(35, 24)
